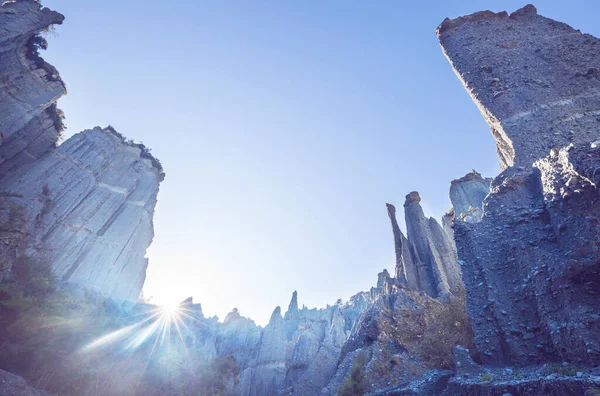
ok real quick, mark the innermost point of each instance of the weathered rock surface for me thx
(88, 207)
(426, 260)
(295, 354)
(535, 80)
(30, 123)
(85, 208)
(467, 195)
(531, 265)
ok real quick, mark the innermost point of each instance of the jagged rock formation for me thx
(426, 260)
(467, 195)
(30, 123)
(295, 354)
(531, 264)
(550, 100)
(85, 208)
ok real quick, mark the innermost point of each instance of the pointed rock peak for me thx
(411, 198)
(276, 315)
(232, 316)
(529, 9)
(382, 278)
(292, 312)
(473, 175)
(391, 209)
(188, 301)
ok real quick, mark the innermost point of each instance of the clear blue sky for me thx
(284, 127)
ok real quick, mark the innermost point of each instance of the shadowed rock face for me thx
(532, 263)
(535, 80)
(426, 260)
(29, 121)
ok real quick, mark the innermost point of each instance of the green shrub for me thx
(486, 377)
(356, 383)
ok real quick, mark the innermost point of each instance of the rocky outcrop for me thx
(88, 208)
(531, 264)
(30, 123)
(467, 195)
(426, 259)
(84, 208)
(551, 99)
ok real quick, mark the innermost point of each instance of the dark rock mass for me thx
(531, 264)
(534, 79)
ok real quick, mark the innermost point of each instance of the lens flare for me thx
(171, 308)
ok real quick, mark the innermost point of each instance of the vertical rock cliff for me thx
(30, 123)
(85, 207)
(89, 205)
(531, 258)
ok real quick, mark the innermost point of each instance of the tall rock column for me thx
(439, 271)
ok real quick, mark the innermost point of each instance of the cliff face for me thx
(88, 205)
(531, 260)
(30, 123)
(426, 260)
(535, 80)
(85, 207)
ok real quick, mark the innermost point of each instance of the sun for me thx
(171, 308)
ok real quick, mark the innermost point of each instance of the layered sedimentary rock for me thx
(30, 123)
(531, 264)
(88, 205)
(84, 208)
(426, 260)
(535, 80)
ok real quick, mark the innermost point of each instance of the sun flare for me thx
(171, 308)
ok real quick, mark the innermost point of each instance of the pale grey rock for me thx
(439, 272)
(467, 195)
(30, 123)
(292, 312)
(88, 207)
(426, 260)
